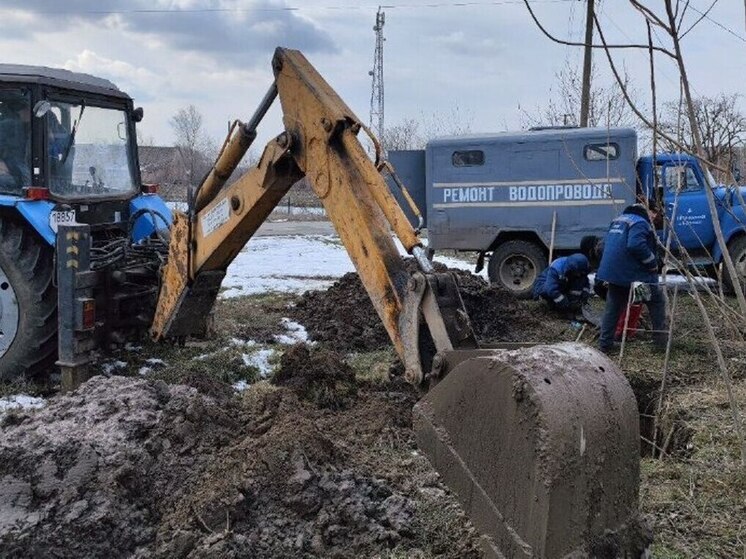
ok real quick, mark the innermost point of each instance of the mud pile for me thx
(134, 468)
(344, 318)
(320, 376)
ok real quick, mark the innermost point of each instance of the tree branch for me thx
(702, 16)
(651, 16)
(675, 143)
(574, 44)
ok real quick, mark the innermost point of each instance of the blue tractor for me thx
(68, 161)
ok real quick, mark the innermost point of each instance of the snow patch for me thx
(295, 333)
(20, 402)
(155, 362)
(291, 264)
(295, 264)
(144, 371)
(260, 360)
(240, 386)
(112, 366)
(237, 342)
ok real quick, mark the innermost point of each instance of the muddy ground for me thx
(132, 467)
(343, 316)
(162, 457)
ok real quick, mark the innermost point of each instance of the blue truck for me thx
(510, 196)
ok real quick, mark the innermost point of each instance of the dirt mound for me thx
(343, 316)
(317, 375)
(133, 468)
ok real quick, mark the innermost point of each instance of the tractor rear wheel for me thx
(28, 302)
(515, 265)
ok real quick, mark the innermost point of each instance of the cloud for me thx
(127, 76)
(236, 33)
(461, 44)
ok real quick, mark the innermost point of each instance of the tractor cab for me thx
(68, 138)
(70, 133)
(69, 173)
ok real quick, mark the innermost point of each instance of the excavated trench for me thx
(670, 434)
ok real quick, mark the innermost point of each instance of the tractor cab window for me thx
(88, 151)
(15, 140)
(681, 178)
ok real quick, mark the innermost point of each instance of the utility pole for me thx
(376, 93)
(585, 94)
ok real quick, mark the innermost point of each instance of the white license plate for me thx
(57, 218)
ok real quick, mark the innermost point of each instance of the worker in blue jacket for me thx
(564, 283)
(630, 255)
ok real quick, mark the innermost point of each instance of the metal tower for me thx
(376, 93)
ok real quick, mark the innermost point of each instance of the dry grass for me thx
(695, 494)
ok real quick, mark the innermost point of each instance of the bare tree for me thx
(722, 128)
(671, 22)
(414, 134)
(404, 135)
(607, 106)
(194, 145)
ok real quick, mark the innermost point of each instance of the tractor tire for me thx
(515, 265)
(28, 303)
(737, 251)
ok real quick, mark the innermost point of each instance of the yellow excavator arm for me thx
(540, 445)
(319, 144)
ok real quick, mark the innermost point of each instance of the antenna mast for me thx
(376, 94)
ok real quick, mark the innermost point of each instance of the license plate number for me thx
(57, 218)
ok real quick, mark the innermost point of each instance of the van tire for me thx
(515, 265)
(737, 251)
(27, 265)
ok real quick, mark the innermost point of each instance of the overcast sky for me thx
(483, 59)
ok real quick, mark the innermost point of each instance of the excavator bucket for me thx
(541, 446)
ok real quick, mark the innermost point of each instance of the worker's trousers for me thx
(616, 302)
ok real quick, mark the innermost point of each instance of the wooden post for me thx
(585, 94)
(551, 240)
(664, 377)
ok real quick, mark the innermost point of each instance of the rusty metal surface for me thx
(227, 223)
(320, 142)
(174, 278)
(358, 202)
(324, 145)
(236, 146)
(192, 314)
(409, 328)
(541, 445)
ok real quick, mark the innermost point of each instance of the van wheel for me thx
(515, 265)
(737, 250)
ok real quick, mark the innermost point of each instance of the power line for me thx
(717, 23)
(188, 11)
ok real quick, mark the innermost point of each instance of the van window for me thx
(471, 158)
(601, 152)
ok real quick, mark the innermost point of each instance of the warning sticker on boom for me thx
(215, 217)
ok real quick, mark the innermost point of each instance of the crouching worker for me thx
(564, 284)
(629, 256)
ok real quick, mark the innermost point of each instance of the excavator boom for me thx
(540, 445)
